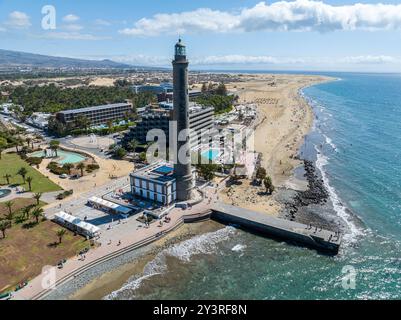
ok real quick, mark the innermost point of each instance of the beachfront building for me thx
(97, 115)
(150, 120)
(155, 183)
(163, 88)
(201, 118)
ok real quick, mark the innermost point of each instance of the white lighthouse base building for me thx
(155, 183)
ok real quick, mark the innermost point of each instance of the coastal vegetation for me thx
(52, 99)
(268, 183)
(20, 259)
(83, 126)
(15, 171)
(207, 171)
(217, 97)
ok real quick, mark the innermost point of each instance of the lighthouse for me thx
(182, 166)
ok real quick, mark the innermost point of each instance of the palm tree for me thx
(82, 122)
(27, 211)
(37, 197)
(54, 145)
(29, 180)
(9, 206)
(17, 143)
(133, 144)
(68, 167)
(22, 172)
(37, 213)
(3, 145)
(110, 126)
(81, 166)
(4, 225)
(28, 141)
(7, 177)
(60, 234)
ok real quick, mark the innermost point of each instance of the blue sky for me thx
(223, 34)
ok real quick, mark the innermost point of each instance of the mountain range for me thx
(23, 59)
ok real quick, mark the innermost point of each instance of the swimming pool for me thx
(211, 154)
(63, 157)
(4, 193)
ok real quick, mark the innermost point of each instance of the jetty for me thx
(311, 236)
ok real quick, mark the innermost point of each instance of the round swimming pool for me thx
(4, 193)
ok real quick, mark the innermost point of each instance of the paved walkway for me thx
(129, 235)
(47, 197)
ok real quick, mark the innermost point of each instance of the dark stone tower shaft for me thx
(182, 165)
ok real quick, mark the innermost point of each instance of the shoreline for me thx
(115, 274)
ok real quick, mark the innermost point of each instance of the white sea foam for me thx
(239, 248)
(330, 142)
(339, 208)
(202, 244)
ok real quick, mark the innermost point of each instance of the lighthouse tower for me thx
(182, 167)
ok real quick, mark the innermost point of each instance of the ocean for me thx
(356, 145)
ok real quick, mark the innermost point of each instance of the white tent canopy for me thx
(77, 224)
(109, 205)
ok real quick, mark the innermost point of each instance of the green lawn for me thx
(27, 248)
(12, 163)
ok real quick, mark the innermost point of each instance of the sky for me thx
(328, 35)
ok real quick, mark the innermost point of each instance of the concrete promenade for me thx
(313, 236)
(133, 237)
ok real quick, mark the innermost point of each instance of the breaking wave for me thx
(202, 244)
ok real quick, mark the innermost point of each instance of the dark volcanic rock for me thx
(303, 206)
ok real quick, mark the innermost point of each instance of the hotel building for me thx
(200, 119)
(96, 115)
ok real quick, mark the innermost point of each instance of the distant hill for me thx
(23, 59)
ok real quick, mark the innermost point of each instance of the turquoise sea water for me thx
(357, 147)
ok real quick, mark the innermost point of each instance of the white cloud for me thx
(244, 59)
(19, 20)
(3, 29)
(71, 18)
(193, 21)
(299, 15)
(369, 59)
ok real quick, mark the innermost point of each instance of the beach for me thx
(284, 119)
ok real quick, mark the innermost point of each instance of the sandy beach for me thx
(284, 118)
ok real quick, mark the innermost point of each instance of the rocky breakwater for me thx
(311, 206)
